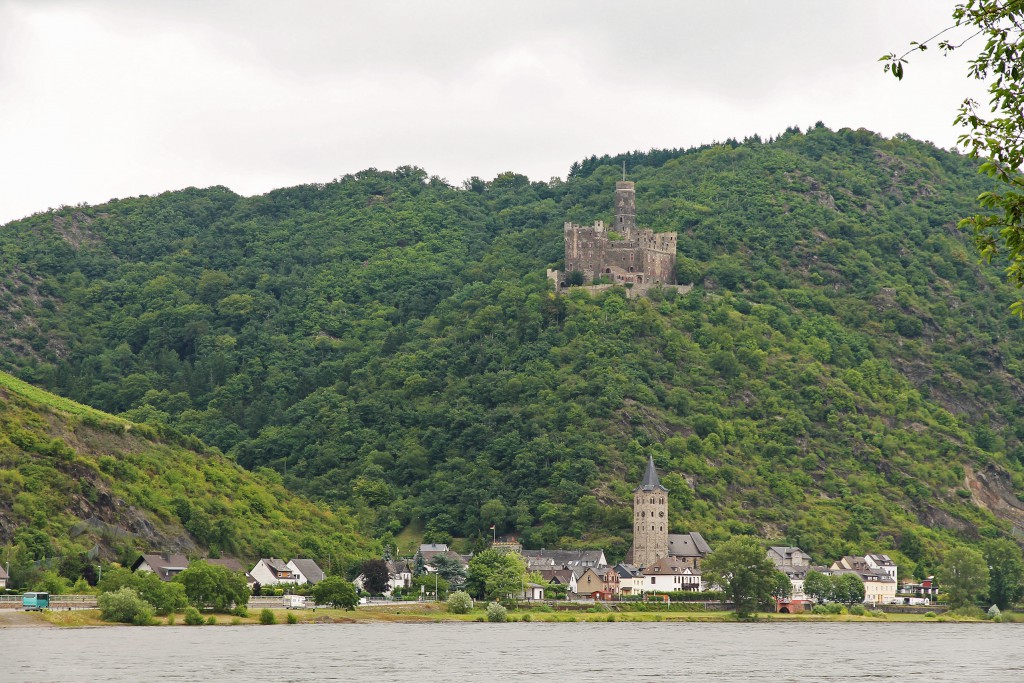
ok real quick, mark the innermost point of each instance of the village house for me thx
(795, 564)
(3, 578)
(597, 580)
(164, 565)
(270, 571)
(306, 571)
(631, 581)
(559, 577)
(670, 574)
(563, 559)
(879, 581)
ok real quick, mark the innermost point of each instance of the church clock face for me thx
(661, 514)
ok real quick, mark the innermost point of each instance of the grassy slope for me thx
(72, 477)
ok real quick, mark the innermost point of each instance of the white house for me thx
(306, 571)
(883, 563)
(270, 571)
(631, 581)
(3, 578)
(670, 574)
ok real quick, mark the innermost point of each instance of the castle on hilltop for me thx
(619, 254)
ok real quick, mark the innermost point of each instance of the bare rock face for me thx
(992, 489)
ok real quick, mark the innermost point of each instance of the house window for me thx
(652, 579)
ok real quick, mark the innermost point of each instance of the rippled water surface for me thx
(539, 652)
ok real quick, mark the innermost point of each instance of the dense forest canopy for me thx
(843, 376)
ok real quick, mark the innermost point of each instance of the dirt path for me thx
(10, 618)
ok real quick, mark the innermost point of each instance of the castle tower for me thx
(650, 518)
(625, 207)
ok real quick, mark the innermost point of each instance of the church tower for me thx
(625, 208)
(650, 518)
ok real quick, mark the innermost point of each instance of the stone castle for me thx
(621, 253)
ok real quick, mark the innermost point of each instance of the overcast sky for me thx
(113, 98)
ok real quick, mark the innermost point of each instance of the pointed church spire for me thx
(651, 481)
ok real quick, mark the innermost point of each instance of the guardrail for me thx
(56, 601)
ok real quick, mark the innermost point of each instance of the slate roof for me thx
(564, 558)
(669, 565)
(626, 571)
(563, 577)
(688, 545)
(650, 481)
(163, 565)
(790, 553)
(309, 569)
(229, 563)
(275, 564)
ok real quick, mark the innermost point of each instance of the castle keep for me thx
(621, 253)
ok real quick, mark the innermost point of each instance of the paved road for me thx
(10, 618)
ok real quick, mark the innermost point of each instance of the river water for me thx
(418, 653)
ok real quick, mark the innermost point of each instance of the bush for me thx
(235, 621)
(496, 614)
(858, 610)
(970, 612)
(829, 608)
(211, 620)
(193, 617)
(527, 617)
(542, 608)
(267, 617)
(993, 612)
(459, 602)
(610, 617)
(125, 606)
(241, 611)
(929, 615)
(170, 619)
(292, 619)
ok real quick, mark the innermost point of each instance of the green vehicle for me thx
(35, 601)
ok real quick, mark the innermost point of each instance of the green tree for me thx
(164, 596)
(494, 575)
(963, 576)
(1006, 572)
(337, 592)
(124, 606)
(999, 136)
(459, 602)
(818, 586)
(847, 589)
(450, 569)
(782, 587)
(211, 584)
(741, 569)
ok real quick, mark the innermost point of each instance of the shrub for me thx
(929, 615)
(496, 614)
(879, 614)
(267, 617)
(125, 606)
(459, 602)
(611, 617)
(993, 612)
(241, 611)
(170, 619)
(292, 619)
(527, 617)
(542, 608)
(829, 608)
(858, 610)
(211, 620)
(235, 621)
(193, 617)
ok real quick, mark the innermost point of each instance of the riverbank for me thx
(437, 613)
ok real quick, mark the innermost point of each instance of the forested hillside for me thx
(76, 483)
(843, 375)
